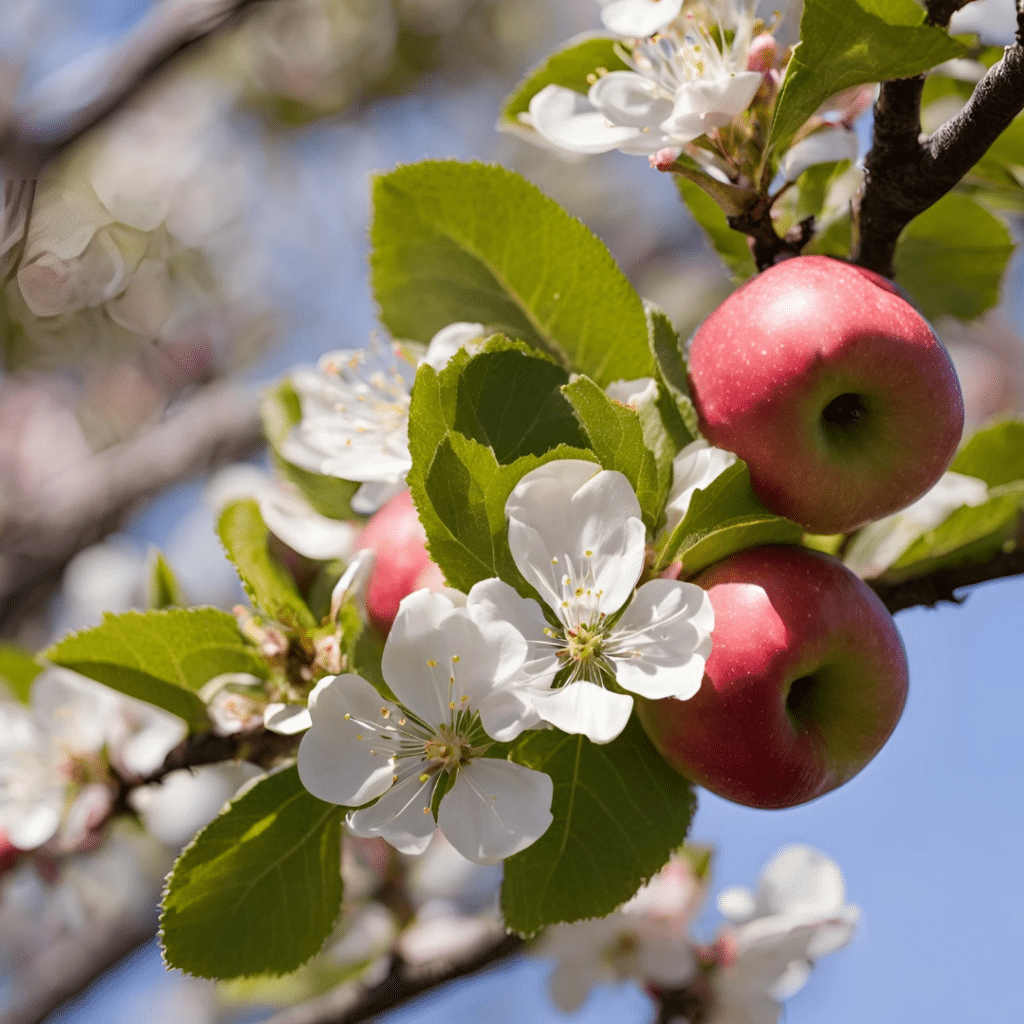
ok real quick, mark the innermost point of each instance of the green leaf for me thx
(723, 518)
(268, 584)
(671, 372)
(813, 187)
(164, 591)
(994, 454)
(844, 43)
(729, 244)
(455, 241)
(510, 399)
(458, 485)
(619, 813)
(461, 504)
(952, 257)
(281, 410)
(259, 889)
(575, 67)
(834, 240)
(162, 657)
(17, 670)
(616, 437)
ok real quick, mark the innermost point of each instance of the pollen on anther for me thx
(385, 712)
(347, 716)
(589, 554)
(424, 777)
(464, 698)
(451, 680)
(455, 659)
(554, 561)
(359, 735)
(431, 663)
(401, 721)
(451, 703)
(394, 779)
(426, 810)
(565, 604)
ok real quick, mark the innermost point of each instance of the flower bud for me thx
(763, 53)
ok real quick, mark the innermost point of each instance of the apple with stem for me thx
(832, 388)
(401, 564)
(806, 680)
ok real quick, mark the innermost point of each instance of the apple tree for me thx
(532, 567)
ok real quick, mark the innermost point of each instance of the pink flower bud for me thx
(402, 563)
(763, 53)
(664, 158)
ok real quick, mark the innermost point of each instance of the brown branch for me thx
(906, 174)
(943, 584)
(42, 527)
(168, 32)
(353, 1003)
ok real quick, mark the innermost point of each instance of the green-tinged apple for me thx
(806, 681)
(832, 388)
(402, 563)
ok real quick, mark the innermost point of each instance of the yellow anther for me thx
(431, 663)
(386, 712)
(424, 777)
(455, 659)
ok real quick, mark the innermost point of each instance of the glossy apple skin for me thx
(402, 563)
(769, 361)
(784, 614)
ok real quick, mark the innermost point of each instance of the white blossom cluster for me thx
(55, 783)
(761, 957)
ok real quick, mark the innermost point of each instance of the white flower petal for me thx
(437, 655)
(495, 809)
(372, 496)
(344, 757)
(637, 19)
(823, 147)
(628, 99)
(450, 340)
(401, 816)
(287, 719)
(291, 518)
(633, 393)
(737, 903)
(693, 469)
(572, 981)
(801, 881)
(586, 708)
(507, 713)
(569, 120)
(496, 601)
(352, 580)
(661, 643)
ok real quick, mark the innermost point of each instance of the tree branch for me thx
(353, 1003)
(42, 526)
(73, 963)
(169, 31)
(906, 174)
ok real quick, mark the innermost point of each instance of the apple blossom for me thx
(645, 940)
(576, 536)
(453, 674)
(683, 83)
(33, 782)
(355, 415)
(878, 545)
(799, 913)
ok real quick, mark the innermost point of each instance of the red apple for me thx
(806, 681)
(832, 388)
(402, 563)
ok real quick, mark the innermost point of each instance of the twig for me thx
(42, 528)
(943, 584)
(906, 174)
(353, 1003)
(169, 31)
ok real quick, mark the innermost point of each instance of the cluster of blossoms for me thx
(686, 79)
(471, 670)
(56, 785)
(761, 957)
